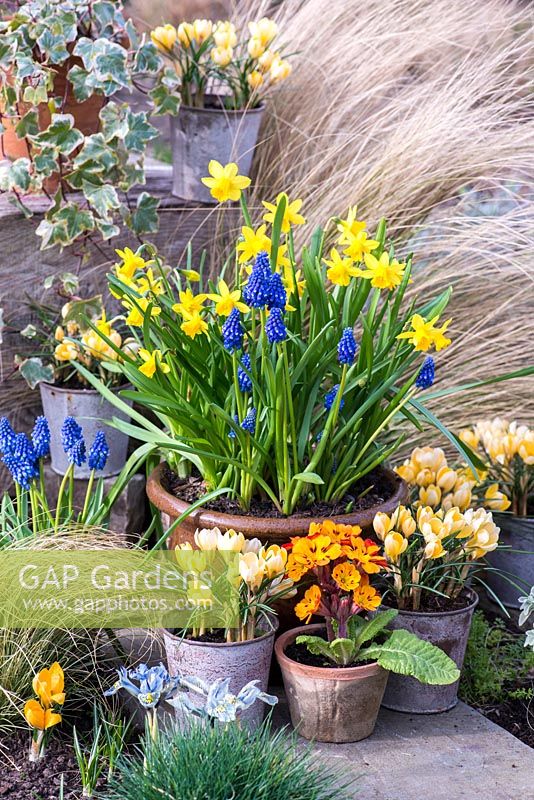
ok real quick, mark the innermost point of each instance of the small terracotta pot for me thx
(448, 630)
(330, 705)
(240, 661)
(274, 530)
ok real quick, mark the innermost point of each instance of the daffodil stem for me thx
(244, 209)
(66, 478)
(291, 409)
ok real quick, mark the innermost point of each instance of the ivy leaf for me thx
(140, 132)
(103, 198)
(19, 174)
(84, 49)
(83, 82)
(110, 66)
(26, 67)
(64, 226)
(107, 229)
(53, 46)
(166, 101)
(35, 94)
(7, 49)
(104, 14)
(28, 125)
(45, 164)
(95, 155)
(114, 121)
(34, 371)
(145, 218)
(147, 58)
(29, 332)
(60, 134)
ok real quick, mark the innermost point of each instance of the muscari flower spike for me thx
(425, 379)
(232, 433)
(330, 398)
(277, 294)
(347, 347)
(70, 433)
(244, 380)
(98, 452)
(274, 327)
(249, 423)
(76, 454)
(7, 436)
(256, 292)
(21, 461)
(41, 437)
(232, 331)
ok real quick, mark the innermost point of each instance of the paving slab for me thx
(458, 755)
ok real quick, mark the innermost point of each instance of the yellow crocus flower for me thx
(495, 499)
(185, 34)
(225, 183)
(383, 273)
(66, 351)
(222, 56)
(152, 360)
(394, 545)
(291, 213)
(255, 79)
(189, 303)
(425, 335)
(254, 242)
(265, 30)
(280, 70)
(341, 270)
(226, 301)
(194, 325)
(49, 685)
(202, 29)
(164, 36)
(39, 718)
(255, 47)
(224, 34)
(265, 60)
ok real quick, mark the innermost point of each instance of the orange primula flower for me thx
(366, 552)
(347, 576)
(309, 552)
(366, 597)
(309, 604)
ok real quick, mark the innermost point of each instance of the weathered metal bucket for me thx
(516, 560)
(90, 410)
(448, 630)
(199, 135)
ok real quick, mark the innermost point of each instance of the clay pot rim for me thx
(405, 612)
(183, 640)
(322, 673)
(224, 111)
(64, 390)
(274, 528)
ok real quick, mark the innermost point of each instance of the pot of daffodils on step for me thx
(335, 674)
(432, 555)
(241, 651)
(507, 450)
(210, 128)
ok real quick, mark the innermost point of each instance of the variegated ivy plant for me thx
(90, 174)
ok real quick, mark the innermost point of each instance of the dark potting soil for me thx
(434, 604)
(369, 491)
(301, 654)
(22, 780)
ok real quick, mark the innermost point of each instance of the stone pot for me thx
(448, 630)
(275, 530)
(91, 411)
(515, 561)
(199, 135)
(240, 661)
(330, 705)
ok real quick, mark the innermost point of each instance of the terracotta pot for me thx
(448, 630)
(274, 530)
(85, 114)
(514, 562)
(330, 705)
(240, 661)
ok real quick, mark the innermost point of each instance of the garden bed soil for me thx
(515, 715)
(22, 780)
(371, 490)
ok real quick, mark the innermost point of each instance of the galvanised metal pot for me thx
(330, 704)
(516, 559)
(240, 661)
(199, 135)
(448, 630)
(90, 410)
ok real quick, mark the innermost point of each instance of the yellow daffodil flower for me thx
(254, 242)
(194, 325)
(289, 283)
(383, 273)
(222, 56)
(366, 597)
(224, 183)
(149, 283)
(185, 34)
(39, 718)
(291, 213)
(425, 335)
(152, 360)
(309, 604)
(130, 263)
(66, 351)
(346, 576)
(358, 245)
(282, 259)
(340, 270)
(189, 303)
(226, 301)
(164, 37)
(350, 227)
(191, 275)
(136, 313)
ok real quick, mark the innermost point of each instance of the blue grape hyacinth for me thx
(277, 297)
(244, 380)
(98, 452)
(275, 328)
(41, 437)
(256, 292)
(330, 398)
(71, 432)
(425, 379)
(21, 461)
(7, 436)
(249, 423)
(76, 454)
(347, 347)
(232, 331)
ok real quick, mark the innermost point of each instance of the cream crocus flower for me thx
(202, 29)
(382, 525)
(252, 570)
(454, 521)
(222, 56)
(252, 546)
(404, 521)
(275, 561)
(265, 30)
(255, 79)
(231, 541)
(446, 478)
(470, 438)
(207, 538)
(407, 471)
(265, 60)
(282, 585)
(434, 549)
(394, 545)
(255, 47)
(430, 457)
(185, 34)
(164, 37)
(525, 448)
(485, 536)
(425, 477)
(430, 495)
(280, 70)
(495, 499)
(224, 34)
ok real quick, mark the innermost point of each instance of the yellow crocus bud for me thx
(255, 48)
(202, 29)
(485, 536)
(434, 549)
(446, 478)
(252, 570)
(185, 33)
(224, 34)
(231, 540)
(461, 496)
(430, 495)
(495, 499)
(66, 351)
(275, 561)
(72, 328)
(394, 545)
(526, 448)
(404, 521)
(255, 79)
(265, 60)
(280, 70)
(469, 437)
(222, 55)
(382, 525)
(164, 37)
(425, 477)
(59, 334)
(407, 472)
(265, 30)
(207, 538)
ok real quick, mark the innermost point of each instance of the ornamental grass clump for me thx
(277, 380)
